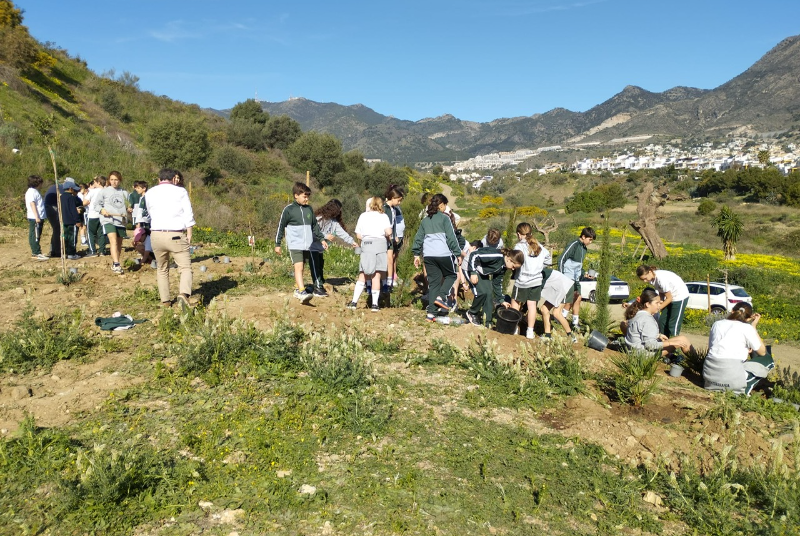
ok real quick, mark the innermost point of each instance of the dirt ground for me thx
(670, 425)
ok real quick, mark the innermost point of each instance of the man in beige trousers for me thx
(171, 221)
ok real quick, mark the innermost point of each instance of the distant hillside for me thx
(763, 99)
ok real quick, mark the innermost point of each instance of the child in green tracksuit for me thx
(484, 268)
(300, 226)
(436, 241)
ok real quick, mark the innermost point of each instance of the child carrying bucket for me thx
(484, 267)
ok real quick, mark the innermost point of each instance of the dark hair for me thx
(742, 312)
(300, 188)
(166, 174)
(424, 198)
(83, 186)
(140, 184)
(433, 205)
(516, 256)
(177, 175)
(393, 192)
(645, 269)
(588, 232)
(526, 230)
(332, 211)
(648, 294)
(116, 174)
(34, 181)
(101, 180)
(476, 244)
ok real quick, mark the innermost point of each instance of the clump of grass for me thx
(499, 381)
(42, 342)
(765, 499)
(556, 365)
(693, 360)
(787, 385)
(729, 407)
(441, 352)
(635, 379)
(68, 278)
(216, 342)
(338, 362)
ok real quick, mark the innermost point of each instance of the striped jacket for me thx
(300, 226)
(436, 237)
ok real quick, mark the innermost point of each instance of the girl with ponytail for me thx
(528, 278)
(642, 333)
(391, 207)
(436, 240)
(737, 359)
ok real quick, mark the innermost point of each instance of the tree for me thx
(321, 154)
(649, 200)
(763, 157)
(437, 170)
(281, 131)
(354, 160)
(17, 47)
(247, 134)
(729, 228)
(175, 142)
(109, 101)
(251, 111)
(383, 174)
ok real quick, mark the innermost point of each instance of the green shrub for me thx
(42, 342)
(706, 207)
(635, 379)
(233, 161)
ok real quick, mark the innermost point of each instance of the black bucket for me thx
(507, 320)
(597, 341)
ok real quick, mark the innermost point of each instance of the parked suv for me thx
(720, 301)
(617, 289)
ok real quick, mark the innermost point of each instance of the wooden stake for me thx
(60, 222)
(308, 178)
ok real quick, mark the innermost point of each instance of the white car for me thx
(617, 289)
(720, 301)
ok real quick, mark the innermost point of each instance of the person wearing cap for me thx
(70, 217)
(171, 222)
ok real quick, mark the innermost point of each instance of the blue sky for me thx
(476, 60)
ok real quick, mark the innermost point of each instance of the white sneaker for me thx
(529, 334)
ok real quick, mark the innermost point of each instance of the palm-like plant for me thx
(729, 228)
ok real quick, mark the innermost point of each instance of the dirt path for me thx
(447, 190)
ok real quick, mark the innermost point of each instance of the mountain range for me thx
(763, 99)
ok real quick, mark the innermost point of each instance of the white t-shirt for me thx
(731, 339)
(373, 225)
(667, 281)
(91, 195)
(33, 196)
(728, 344)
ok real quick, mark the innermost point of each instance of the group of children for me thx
(449, 263)
(95, 215)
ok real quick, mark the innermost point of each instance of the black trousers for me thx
(51, 212)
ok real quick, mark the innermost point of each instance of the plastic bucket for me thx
(507, 320)
(675, 370)
(597, 341)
